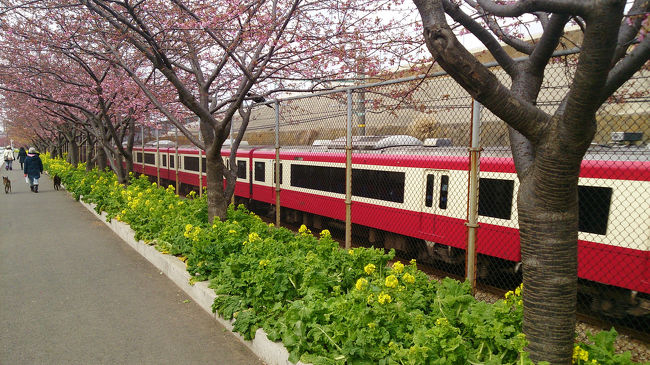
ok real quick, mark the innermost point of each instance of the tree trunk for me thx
(73, 152)
(90, 146)
(129, 165)
(217, 202)
(548, 229)
(120, 170)
(102, 162)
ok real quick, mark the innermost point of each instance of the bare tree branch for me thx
(625, 68)
(549, 41)
(522, 7)
(493, 46)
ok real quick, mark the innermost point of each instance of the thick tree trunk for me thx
(73, 152)
(90, 147)
(548, 228)
(129, 166)
(217, 202)
(102, 161)
(120, 170)
(549, 258)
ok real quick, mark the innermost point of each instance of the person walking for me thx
(22, 154)
(9, 158)
(33, 169)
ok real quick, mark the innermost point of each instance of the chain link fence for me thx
(410, 165)
(405, 147)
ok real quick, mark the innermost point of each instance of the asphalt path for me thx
(72, 292)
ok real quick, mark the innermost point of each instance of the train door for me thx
(433, 201)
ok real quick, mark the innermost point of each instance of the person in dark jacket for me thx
(22, 155)
(33, 168)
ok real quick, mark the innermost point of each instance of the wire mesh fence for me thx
(388, 165)
(409, 190)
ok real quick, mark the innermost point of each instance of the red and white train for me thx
(413, 197)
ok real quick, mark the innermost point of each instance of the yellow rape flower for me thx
(519, 289)
(384, 298)
(264, 262)
(188, 227)
(369, 269)
(170, 206)
(351, 252)
(252, 237)
(408, 278)
(271, 225)
(361, 284)
(372, 325)
(391, 281)
(303, 229)
(398, 267)
(232, 231)
(580, 354)
(370, 298)
(325, 234)
(412, 262)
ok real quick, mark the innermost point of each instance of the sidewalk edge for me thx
(273, 353)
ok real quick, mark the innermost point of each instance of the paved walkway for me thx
(71, 292)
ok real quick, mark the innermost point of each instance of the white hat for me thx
(32, 150)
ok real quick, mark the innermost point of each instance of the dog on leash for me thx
(57, 182)
(7, 184)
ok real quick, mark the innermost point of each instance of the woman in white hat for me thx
(8, 157)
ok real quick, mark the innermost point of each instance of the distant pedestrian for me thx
(9, 158)
(33, 169)
(22, 155)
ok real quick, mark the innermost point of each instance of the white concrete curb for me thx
(273, 353)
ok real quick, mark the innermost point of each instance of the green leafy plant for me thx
(327, 305)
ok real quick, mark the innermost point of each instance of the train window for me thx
(377, 184)
(593, 208)
(260, 171)
(444, 190)
(241, 169)
(204, 164)
(138, 157)
(330, 179)
(164, 160)
(428, 192)
(150, 158)
(191, 163)
(274, 166)
(171, 161)
(495, 198)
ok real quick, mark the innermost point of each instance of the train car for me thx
(414, 199)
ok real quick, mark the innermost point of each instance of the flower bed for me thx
(326, 305)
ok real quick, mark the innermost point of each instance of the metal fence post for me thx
(201, 165)
(177, 160)
(157, 156)
(277, 163)
(142, 148)
(472, 196)
(348, 175)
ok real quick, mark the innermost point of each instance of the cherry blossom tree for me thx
(50, 58)
(218, 56)
(547, 147)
